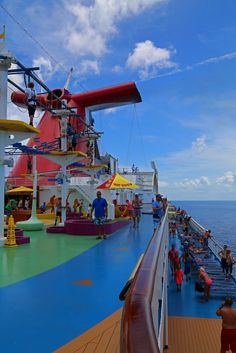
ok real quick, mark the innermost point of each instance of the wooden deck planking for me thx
(195, 335)
(186, 335)
(101, 338)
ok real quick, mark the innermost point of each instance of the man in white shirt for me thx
(31, 101)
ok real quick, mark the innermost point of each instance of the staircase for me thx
(87, 191)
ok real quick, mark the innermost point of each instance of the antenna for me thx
(153, 165)
(68, 79)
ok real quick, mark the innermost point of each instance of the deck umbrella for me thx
(20, 190)
(117, 181)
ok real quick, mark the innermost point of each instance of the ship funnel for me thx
(48, 100)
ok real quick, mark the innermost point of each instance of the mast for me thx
(6, 59)
(68, 79)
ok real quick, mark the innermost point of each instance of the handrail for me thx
(145, 303)
(212, 243)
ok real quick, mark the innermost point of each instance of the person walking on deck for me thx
(206, 236)
(130, 209)
(187, 265)
(178, 278)
(222, 254)
(136, 203)
(99, 205)
(58, 211)
(228, 332)
(171, 255)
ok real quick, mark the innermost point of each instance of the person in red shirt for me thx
(171, 255)
(177, 261)
(178, 278)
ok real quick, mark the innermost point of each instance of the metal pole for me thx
(63, 133)
(5, 63)
(63, 193)
(33, 213)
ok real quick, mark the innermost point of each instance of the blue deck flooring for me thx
(40, 314)
(187, 302)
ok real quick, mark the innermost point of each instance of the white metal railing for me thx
(163, 329)
(212, 243)
(159, 298)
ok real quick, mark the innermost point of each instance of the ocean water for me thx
(219, 216)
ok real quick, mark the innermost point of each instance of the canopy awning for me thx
(117, 181)
(20, 190)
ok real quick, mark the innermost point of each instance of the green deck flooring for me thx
(44, 252)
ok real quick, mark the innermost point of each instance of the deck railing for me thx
(212, 243)
(144, 320)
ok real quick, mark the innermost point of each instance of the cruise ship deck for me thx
(60, 294)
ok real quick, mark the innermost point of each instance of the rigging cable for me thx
(140, 133)
(30, 35)
(38, 43)
(34, 76)
(130, 138)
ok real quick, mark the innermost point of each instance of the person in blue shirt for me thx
(99, 206)
(157, 210)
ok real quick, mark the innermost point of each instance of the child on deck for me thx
(130, 209)
(178, 278)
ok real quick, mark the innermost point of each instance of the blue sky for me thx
(182, 56)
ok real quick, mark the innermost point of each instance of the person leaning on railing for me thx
(230, 261)
(222, 254)
(207, 283)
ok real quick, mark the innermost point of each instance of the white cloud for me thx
(162, 183)
(93, 25)
(46, 68)
(199, 145)
(117, 69)
(193, 183)
(91, 66)
(110, 111)
(18, 79)
(149, 59)
(213, 60)
(13, 111)
(227, 180)
(216, 59)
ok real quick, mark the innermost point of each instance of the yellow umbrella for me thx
(20, 190)
(117, 182)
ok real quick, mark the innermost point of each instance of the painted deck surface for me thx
(60, 294)
(196, 329)
(49, 305)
